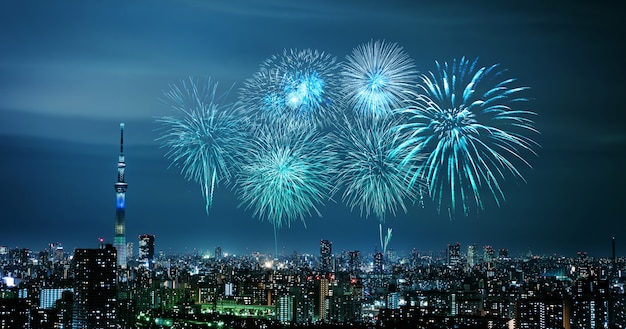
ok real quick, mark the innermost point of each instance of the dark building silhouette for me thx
(95, 288)
(355, 261)
(218, 253)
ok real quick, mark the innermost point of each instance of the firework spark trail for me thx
(376, 78)
(384, 242)
(466, 124)
(287, 175)
(204, 138)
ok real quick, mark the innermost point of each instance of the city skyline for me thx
(66, 90)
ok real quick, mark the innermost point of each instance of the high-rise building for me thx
(284, 308)
(453, 255)
(471, 255)
(326, 248)
(146, 250)
(218, 252)
(323, 298)
(95, 288)
(488, 254)
(378, 262)
(355, 261)
(119, 241)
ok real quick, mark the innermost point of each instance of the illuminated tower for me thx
(119, 241)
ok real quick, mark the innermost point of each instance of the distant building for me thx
(488, 254)
(378, 262)
(472, 256)
(453, 255)
(146, 250)
(218, 252)
(355, 261)
(326, 249)
(95, 288)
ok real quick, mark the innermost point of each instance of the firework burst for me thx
(468, 124)
(287, 174)
(370, 173)
(376, 78)
(262, 97)
(203, 139)
(297, 85)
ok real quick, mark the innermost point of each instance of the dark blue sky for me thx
(71, 71)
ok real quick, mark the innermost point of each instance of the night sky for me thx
(71, 71)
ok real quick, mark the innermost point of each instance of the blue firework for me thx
(204, 137)
(287, 173)
(370, 174)
(376, 78)
(302, 83)
(262, 97)
(468, 124)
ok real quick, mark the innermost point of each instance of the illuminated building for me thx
(95, 289)
(471, 255)
(488, 254)
(323, 302)
(49, 296)
(355, 261)
(540, 312)
(146, 250)
(119, 241)
(326, 248)
(285, 308)
(453, 255)
(378, 262)
(13, 313)
(590, 302)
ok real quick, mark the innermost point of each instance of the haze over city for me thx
(71, 72)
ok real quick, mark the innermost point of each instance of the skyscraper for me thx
(218, 253)
(471, 255)
(453, 255)
(355, 261)
(95, 288)
(146, 250)
(119, 241)
(326, 248)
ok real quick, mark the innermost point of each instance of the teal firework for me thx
(469, 123)
(376, 78)
(301, 84)
(370, 175)
(286, 174)
(262, 97)
(203, 138)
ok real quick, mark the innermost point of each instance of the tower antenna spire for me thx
(122, 138)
